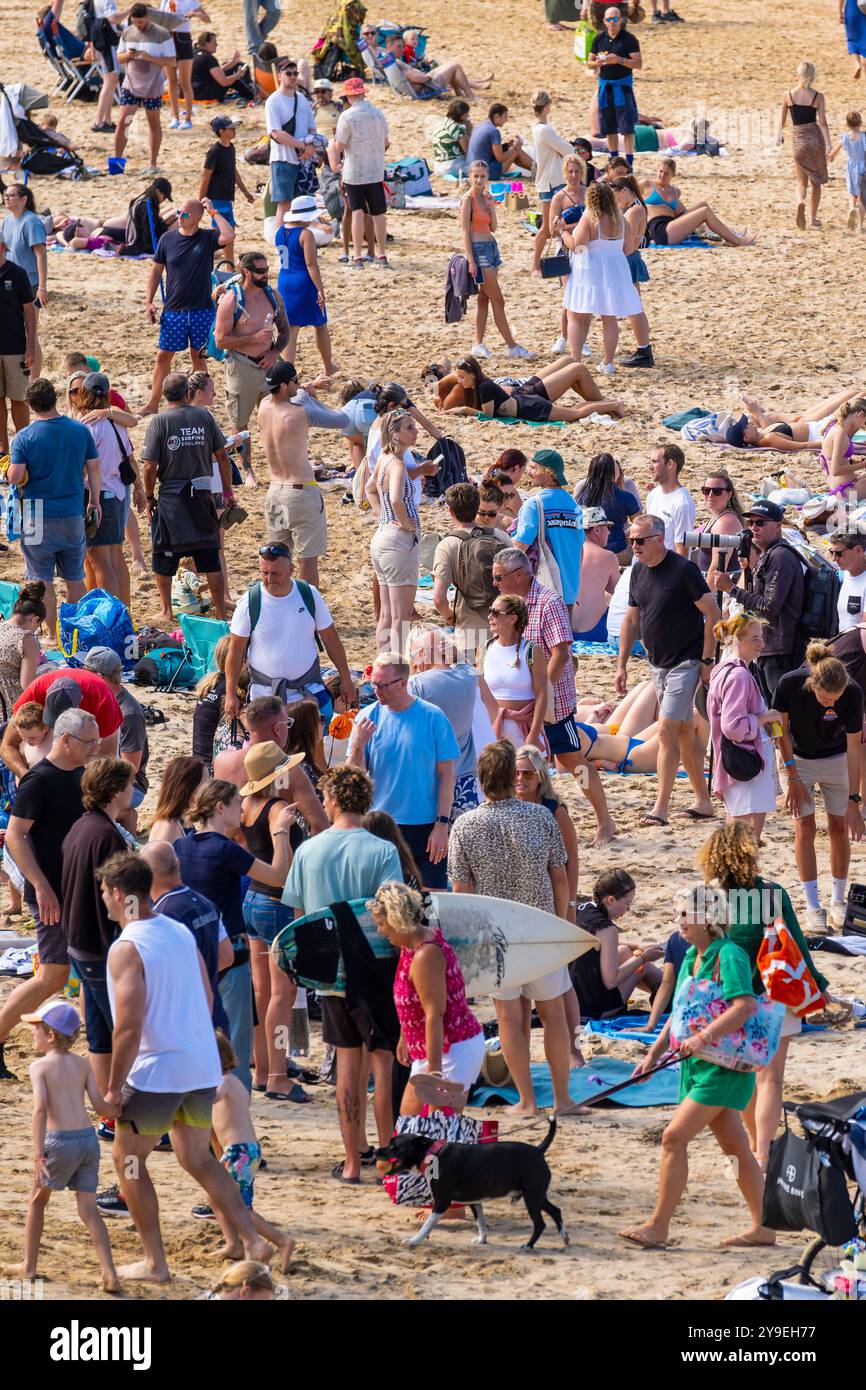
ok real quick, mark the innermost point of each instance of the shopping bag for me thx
(806, 1190)
(583, 37)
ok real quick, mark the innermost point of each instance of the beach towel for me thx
(609, 648)
(586, 1082)
(619, 1027)
(512, 420)
(689, 243)
(683, 417)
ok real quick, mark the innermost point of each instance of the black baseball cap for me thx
(735, 434)
(280, 374)
(767, 511)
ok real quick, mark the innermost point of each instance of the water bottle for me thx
(269, 320)
(299, 1033)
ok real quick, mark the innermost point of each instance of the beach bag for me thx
(97, 620)
(786, 976)
(260, 152)
(699, 1002)
(50, 159)
(473, 576)
(806, 1190)
(412, 1189)
(165, 668)
(412, 172)
(555, 263)
(583, 37)
(743, 764)
(546, 567)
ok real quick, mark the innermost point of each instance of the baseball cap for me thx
(223, 123)
(735, 434)
(768, 511)
(162, 186)
(280, 374)
(97, 382)
(54, 1013)
(63, 694)
(594, 516)
(104, 661)
(322, 84)
(550, 459)
(354, 87)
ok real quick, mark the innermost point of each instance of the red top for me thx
(459, 1022)
(97, 698)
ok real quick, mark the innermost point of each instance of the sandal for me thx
(648, 819)
(309, 1078)
(337, 1172)
(368, 1158)
(152, 714)
(296, 1094)
(432, 1089)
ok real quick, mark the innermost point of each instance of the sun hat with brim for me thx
(302, 209)
(264, 762)
(594, 516)
(354, 87)
(56, 1014)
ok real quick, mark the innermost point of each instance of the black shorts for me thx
(182, 47)
(366, 197)
(531, 406)
(657, 231)
(533, 386)
(344, 1028)
(618, 120)
(205, 561)
(563, 737)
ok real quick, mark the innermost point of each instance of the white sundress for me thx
(600, 281)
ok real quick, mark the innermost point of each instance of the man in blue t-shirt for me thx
(54, 454)
(185, 253)
(563, 521)
(409, 749)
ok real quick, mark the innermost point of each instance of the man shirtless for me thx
(599, 576)
(294, 509)
(252, 327)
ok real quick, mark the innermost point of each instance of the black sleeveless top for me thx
(260, 843)
(801, 114)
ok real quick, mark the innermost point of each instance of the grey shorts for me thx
(831, 775)
(72, 1158)
(57, 546)
(675, 687)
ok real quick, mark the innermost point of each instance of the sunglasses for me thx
(275, 552)
(492, 512)
(613, 19)
(498, 578)
(837, 553)
(642, 540)
(715, 491)
(756, 521)
(501, 613)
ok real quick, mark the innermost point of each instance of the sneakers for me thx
(836, 915)
(174, 123)
(641, 357)
(518, 351)
(586, 350)
(105, 1130)
(816, 921)
(673, 18)
(185, 125)
(164, 1145)
(480, 350)
(607, 368)
(104, 127)
(560, 345)
(203, 1213)
(658, 17)
(110, 1202)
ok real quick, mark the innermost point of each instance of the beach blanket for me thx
(689, 243)
(533, 424)
(620, 1027)
(684, 417)
(585, 1082)
(610, 648)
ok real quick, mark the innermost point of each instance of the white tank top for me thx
(178, 1050)
(507, 681)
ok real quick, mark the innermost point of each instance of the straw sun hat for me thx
(264, 763)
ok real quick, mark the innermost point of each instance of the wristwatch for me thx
(446, 820)
(708, 661)
(856, 798)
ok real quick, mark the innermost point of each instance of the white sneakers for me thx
(480, 350)
(816, 921)
(560, 345)
(836, 915)
(175, 124)
(606, 368)
(518, 351)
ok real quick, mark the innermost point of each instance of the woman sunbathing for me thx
(671, 222)
(534, 399)
(807, 428)
(625, 738)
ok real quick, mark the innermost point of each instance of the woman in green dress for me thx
(729, 858)
(711, 1097)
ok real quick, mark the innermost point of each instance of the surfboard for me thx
(498, 944)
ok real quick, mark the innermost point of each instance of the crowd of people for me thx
(465, 743)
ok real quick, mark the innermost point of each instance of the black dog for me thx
(472, 1173)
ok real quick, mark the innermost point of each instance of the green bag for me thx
(583, 37)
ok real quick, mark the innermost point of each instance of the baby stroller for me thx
(44, 156)
(336, 51)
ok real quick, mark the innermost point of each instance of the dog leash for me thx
(632, 1080)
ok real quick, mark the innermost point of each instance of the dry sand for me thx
(775, 321)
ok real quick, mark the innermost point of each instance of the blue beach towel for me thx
(586, 1082)
(619, 1028)
(610, 648)
(690, 243)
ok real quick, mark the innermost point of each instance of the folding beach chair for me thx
(200, 636)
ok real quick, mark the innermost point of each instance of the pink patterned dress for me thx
(458, 1024)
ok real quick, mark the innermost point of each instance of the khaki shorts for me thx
(13, 382)
(831, 775)
(295, 515)
(541, 990)
(245, 386)
(394, 553)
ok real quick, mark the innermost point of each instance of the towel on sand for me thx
(585, 1082)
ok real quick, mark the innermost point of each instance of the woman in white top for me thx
(104, 560)
(181, 75)
(516, 674)
(600, 282)
(394, 547)
(550, 150)
(568, 203)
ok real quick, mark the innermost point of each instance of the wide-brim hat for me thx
(264, 763)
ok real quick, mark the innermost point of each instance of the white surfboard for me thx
(498, 944)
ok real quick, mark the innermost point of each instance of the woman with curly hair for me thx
(711, 1097)
(729, 858)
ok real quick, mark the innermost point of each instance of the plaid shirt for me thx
(548, 626)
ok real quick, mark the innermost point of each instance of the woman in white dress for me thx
(736, 708)
(600, 281)
(516, 674)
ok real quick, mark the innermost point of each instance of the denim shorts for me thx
(60, 549)
(97, 1009)
(179, 328)
(551, 193)
(486, 254)
(113, 523)
(264, 917)
(284, 176)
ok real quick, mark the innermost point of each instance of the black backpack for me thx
(452, 467)
(821, 584)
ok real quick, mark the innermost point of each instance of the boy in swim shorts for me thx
(66, 1149)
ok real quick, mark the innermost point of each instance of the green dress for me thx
(703, 1081)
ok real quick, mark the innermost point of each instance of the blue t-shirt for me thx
(188, 262)
(402, 757)
(54, 452)
(21, 234)
(201, 917)
(484, 136)
(563, 524)
(214, 865)
(676, 947)
(619, 507)
(337, 866)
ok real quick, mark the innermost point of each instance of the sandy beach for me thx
(777, 321)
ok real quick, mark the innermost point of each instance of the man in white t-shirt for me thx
(848, 553)
(288, 107)
(361, 139)
(165, 1067)
(279, 640)
(669, 499)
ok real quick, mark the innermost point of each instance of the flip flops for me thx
(647, 819)
(337, 1173)
(297, 1094)
(433, 1089)
(699, 815)
(642, 1242)
(309, 1078)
